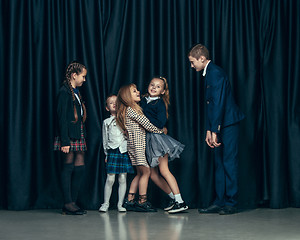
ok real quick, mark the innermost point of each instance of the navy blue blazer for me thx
(155, 111)
(221, 109)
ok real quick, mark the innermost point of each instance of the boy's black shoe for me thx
(210, 209)
(178, 207)
(129, 205)
(228, 210)
(81, 209)
(144, 207)
(170, 204)
(66, 211)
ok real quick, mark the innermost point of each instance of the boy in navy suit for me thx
(223, 117)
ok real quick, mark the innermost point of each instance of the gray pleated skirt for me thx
(157, 145)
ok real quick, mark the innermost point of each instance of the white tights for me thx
(108, 187)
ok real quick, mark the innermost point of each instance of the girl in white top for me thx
(117, 160)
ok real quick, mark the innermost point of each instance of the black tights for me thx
(71, 175)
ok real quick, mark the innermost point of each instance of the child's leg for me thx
(160, 181)
(129, 203)
(66, 177)
(171, 180)
(108, 187)
(134, 186)
(165, 172)
(70, 180)
(110, 179)
(122, 187)
(78, 173)
(163, 185)
(122, 191)
(143, 205)
(143, 182)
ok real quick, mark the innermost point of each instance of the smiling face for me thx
(135, 94)
(111, 104)
(156, 87)
(78, 79)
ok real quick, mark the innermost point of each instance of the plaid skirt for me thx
(118, 162)
(77, 145)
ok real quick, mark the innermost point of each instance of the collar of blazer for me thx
(209, 66)
(69, 91)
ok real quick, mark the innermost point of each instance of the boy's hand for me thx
(208, 139)
(105, 159)
(215, 142)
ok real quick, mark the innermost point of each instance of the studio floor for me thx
(261, 224)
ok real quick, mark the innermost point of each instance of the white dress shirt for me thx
(204, 71)
(150, 99)
(79, 103)
(112, 136)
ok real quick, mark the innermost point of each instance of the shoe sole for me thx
(137, 209)
(169, 208)
(102, 210)
(122, 210)
(74, 214)
(213, 212)
(227, 213)
(178, 210)
(130, 208)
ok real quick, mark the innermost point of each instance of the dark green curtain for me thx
(123, 41)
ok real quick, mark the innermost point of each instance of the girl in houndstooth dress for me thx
(132, 120)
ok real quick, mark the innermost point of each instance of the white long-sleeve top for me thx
(112, 136)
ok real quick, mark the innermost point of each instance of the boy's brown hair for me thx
(198, 50)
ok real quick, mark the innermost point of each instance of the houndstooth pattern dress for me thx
(136, 143)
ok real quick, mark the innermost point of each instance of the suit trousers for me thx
(226, 167)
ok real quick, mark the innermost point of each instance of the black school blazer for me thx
(67, 129)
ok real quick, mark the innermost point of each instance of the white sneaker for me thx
(104, 207)
(121, 209)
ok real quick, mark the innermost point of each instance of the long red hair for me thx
(124, 100)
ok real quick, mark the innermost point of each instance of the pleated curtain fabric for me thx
(256, 42)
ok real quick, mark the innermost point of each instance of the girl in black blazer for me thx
(71, 113)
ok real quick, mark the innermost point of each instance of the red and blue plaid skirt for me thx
(77, 145)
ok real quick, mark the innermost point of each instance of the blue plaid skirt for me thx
(118, 162)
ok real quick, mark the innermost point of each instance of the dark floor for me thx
(261, 224)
